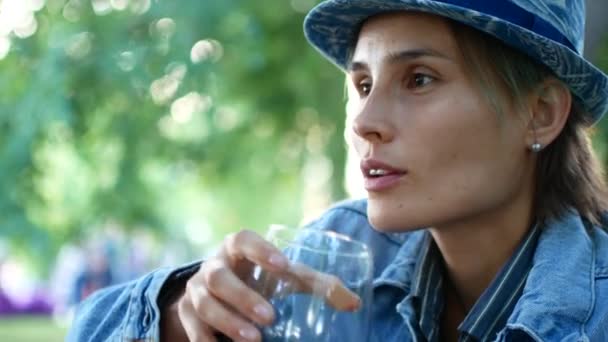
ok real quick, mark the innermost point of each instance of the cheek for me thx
(459, 131)
(477, 158)
(453, 134)
(462, 163)
(451, 194)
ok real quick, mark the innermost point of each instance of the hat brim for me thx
(332, 27)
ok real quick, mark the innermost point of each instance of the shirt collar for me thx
(490, 313)
(427, 289)
(418, 270)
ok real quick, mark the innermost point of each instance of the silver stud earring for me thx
(536, 147)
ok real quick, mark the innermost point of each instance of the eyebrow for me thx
(400, 57)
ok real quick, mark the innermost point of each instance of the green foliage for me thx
(600, 139)
(118, 114)
(189, 118)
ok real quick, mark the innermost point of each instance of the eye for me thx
(419, 80)
(364, 87)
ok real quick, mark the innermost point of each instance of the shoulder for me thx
(100, 316)
(600, 241)
(597, 322)
(123, 312)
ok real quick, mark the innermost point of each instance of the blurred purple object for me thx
(6, 305)
(39, 304)
(36, 305)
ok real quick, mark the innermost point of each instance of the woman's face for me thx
(434, 152)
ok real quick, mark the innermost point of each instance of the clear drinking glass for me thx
(313, 300)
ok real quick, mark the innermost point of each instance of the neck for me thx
(475, 250)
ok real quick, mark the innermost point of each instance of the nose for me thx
(372, 125)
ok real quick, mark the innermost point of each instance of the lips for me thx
(379, 176)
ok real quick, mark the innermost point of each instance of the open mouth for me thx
(381, 172)
(377, 173)
(379, 176)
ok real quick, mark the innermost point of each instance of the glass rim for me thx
(363, 249)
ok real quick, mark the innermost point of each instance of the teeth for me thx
(377, 172)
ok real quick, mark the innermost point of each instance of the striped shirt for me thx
(490, 313)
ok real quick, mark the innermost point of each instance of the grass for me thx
(30, 329)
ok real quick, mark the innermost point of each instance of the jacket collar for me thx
(400, 272)
(560, 286)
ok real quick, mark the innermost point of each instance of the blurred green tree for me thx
(190, 118)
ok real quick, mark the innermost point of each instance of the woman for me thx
(470, 118)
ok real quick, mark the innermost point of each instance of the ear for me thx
(550, 106)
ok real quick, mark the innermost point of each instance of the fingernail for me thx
(355, 306)
(248, 333)
(263, 311)
(278, 260)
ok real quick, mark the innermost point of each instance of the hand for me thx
(217, 299)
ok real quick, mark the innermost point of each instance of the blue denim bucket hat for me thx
(549, 31)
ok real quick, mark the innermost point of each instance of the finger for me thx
(195, 331)
(216, 315)
(250, 246)
(225, 286)
(338, 296)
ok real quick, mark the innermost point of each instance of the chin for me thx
(393, 219)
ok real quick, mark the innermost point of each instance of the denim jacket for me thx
(565, 297)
